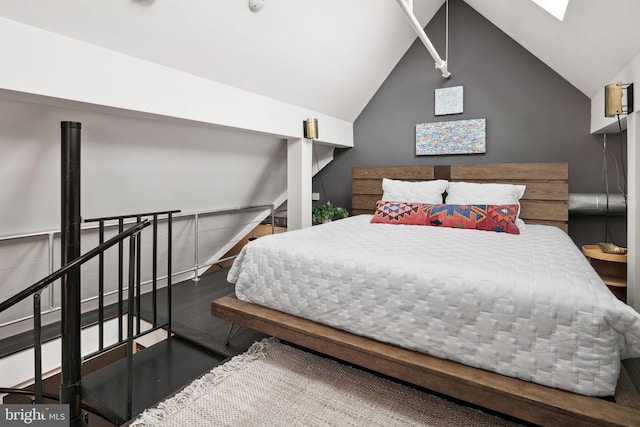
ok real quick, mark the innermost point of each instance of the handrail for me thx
(91, 224)
(76, 262)
(133, 216)
(113, 218)
(197, 266)
(226, 210)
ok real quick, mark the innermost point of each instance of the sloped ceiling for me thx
(595, 41)
(329, 56)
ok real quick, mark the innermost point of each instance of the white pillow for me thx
(413, 192)
(471, 193)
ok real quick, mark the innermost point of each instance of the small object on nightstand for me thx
(611, 267)
(610, 248)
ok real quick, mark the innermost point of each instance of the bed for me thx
(462, 306)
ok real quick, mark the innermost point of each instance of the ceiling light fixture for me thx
(256, 5)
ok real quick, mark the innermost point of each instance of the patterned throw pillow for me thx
(499, 218)
(400, 213)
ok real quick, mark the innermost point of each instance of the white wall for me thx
(633, 213)
(129, 165)
(600, 124)
(154, 138)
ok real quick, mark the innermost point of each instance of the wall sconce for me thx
(613, 99)
(310, 127)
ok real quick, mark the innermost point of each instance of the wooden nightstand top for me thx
(594, 251)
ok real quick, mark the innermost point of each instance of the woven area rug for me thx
(273, 384)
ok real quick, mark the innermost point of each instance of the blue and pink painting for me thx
(453, 137)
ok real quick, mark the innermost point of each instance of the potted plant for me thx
(327, 212)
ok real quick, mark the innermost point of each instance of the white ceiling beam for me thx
(52, 69)
(407, 8)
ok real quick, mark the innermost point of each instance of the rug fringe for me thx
(154, 416)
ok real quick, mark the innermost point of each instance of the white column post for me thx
(299, 173)
(633, 211)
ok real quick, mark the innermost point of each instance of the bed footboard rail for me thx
(524, 400)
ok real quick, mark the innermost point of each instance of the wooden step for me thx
(159, 371)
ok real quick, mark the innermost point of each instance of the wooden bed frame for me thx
(545, 201)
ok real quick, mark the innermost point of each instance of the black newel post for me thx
(71, 355)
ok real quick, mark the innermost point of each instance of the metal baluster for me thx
(273, 219)
(37, 347)
(169, 238)
(155, 271)
(101, 288)
(132, 268)
(138, 262)
(52, 301)
(120, 284)
(196, 277)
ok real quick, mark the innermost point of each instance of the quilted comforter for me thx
(528, 306)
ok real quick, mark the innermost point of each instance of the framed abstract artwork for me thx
(449, 100)
(453, 137)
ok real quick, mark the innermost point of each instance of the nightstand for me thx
(612, 268)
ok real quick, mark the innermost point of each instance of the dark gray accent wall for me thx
(532, 115)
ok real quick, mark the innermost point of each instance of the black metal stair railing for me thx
(37, 287)
(133, 297)
(135, 310)
(128, 297)
(71, 390)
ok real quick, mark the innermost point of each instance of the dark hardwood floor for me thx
(192, 318)
(191, 322)
(191, 314)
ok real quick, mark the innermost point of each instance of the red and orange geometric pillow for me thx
(400, 213)
(498, 218)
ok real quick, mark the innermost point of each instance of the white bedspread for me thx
(529, 306)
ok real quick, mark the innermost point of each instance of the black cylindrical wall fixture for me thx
(70, 239)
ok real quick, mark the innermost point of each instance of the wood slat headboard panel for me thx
(545, 200)
(406, 173)
(510, 171)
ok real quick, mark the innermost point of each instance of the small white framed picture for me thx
(449, 100)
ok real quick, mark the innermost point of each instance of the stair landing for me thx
(158, 371)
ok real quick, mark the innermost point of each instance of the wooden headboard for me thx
(545, 200)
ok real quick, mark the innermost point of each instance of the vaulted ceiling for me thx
(329, 56)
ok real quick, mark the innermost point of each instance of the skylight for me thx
(555, 7)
